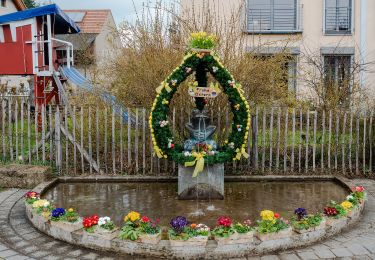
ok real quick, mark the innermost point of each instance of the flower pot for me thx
(105, 233)
(245, 238)
(232, 239)
(67, 226)
(336, 224)
(150, 239)
(194, 241)
(321, 226)
(285, 233)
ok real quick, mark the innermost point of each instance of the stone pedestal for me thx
(209, 184)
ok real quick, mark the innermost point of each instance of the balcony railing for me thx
(274, 19)
(338, 20)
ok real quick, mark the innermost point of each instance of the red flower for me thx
(172, 146)
(359, 189)
(224, 221)
(329, 211)
(90, 221)
(145, 219)
(277, 215)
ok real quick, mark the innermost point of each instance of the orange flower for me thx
(193, 225)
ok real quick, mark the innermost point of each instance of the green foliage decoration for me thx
(162, 136)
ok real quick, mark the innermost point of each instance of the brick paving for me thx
(20, 240)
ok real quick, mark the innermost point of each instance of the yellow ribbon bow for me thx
(241, 152)
(162, 86)
(198, 162)
(158, 152)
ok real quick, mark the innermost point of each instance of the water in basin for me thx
(243, 200)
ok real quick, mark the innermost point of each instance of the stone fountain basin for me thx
(257, 246)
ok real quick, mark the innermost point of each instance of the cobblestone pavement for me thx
(20, 240)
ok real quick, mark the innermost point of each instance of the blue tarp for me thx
(62, 23)
(74, 76)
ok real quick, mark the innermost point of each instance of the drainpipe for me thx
(363, 39)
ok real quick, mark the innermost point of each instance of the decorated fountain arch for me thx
(200, 150)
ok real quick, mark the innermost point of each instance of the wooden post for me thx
(357, 146)
(43, 134)
(174, 130)
(58, 140)
(67, 164)
(22, 130)
(106, 140)
(82, 160)
(121, 141)
(314, 144)
(323, 140)
(329, 139)
(3, 128)
(10, 130)
(264, 139)
(16, 126)
(74, 140)
(271, 143)
(293, 138)
(307, 140)
(254, 127)
(370, 142)
(286, 139)
(337, 138)
(29, 131)
(97, 137)
(36, 114)
(113, 141)
(90, 139)
(144, 141)
(343, 144)
(136, 143)
(364, 145)
(278, 134)
(129, 141)
(350, 141)
(51, 136)
(300, 140)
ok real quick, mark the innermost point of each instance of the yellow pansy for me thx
(132, 216)
(267, 215)
(347, 205)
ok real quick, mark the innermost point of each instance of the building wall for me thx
(10, 8)
(312, 38)
(106, 40)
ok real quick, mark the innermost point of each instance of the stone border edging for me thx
(163, 249)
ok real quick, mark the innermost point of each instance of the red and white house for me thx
(28, 48)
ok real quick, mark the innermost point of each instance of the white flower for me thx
(349, 197)
(214, 69)
(187, 154)
(46, 204)
(231, 145)
(104, 220)
(231, 82)
(163, 123)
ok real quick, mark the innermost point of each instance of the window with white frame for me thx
(338, 16)
(272, 16)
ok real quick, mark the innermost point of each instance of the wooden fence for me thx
(99, 140)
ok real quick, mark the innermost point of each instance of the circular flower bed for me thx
(101, 233)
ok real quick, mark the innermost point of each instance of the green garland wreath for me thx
(162, 136)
